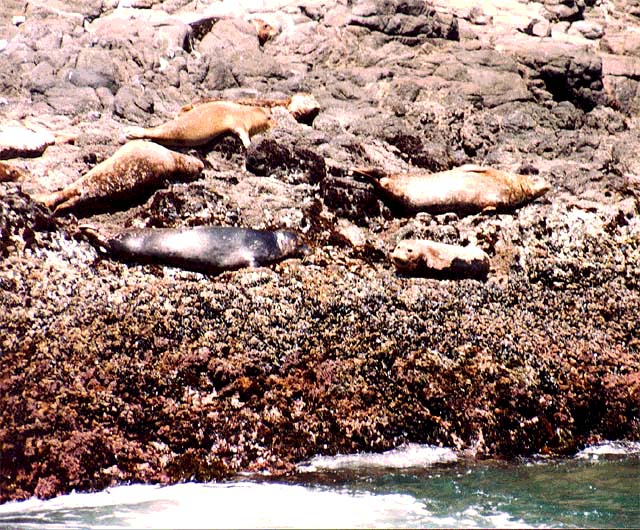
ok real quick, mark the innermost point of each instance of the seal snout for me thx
(539, 186)
(403, 255)
(291, 244)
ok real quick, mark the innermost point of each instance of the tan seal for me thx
(137, 168)
(302, 106)
(430, 258)
(199, 124)
(466, 189)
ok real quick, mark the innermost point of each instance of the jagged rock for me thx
(401, 18)
(270, 157)
(621, 43)
(563, 74)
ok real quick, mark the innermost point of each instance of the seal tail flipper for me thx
(136, 133)
(372, 174)
(53, 200)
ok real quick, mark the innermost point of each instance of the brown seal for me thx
(9, 172)
(466, 189)
(421, 256)
(135, 169)
(201, 123)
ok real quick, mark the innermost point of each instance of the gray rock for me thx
(41, 79)
(589, 30)
(565, 74)
(67, 99)
(133, 103)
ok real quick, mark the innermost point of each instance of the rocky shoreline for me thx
(113, 372)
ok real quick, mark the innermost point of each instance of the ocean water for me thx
(409, 487)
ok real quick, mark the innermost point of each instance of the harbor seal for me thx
(137, 168)
(463, 190)
(421, 256)
(209, 249)
(201, 123)
(304, 107)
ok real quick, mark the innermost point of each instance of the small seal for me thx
(209, 249)
(199, 124)
(463, 190)
(439, 260)
(137, 168)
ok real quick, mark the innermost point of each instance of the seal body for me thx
(421, 256)
(205, 249)
(302, 106)
(135, 168)
(464, 190)
(201, 123)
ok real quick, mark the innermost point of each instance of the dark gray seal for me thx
(209, 249)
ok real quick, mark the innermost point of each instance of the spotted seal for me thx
(209, 249)
(135, 168)
(464, 190)
(201, 123)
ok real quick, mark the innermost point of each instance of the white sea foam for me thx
(609, 449)
(239, 505)
(404, 456)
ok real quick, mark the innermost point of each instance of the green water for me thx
(571, 493)
(596, 491)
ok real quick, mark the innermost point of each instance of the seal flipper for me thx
(373, 174)
(98, 240)
(136, 133)
(57, 200)
(244, 137)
